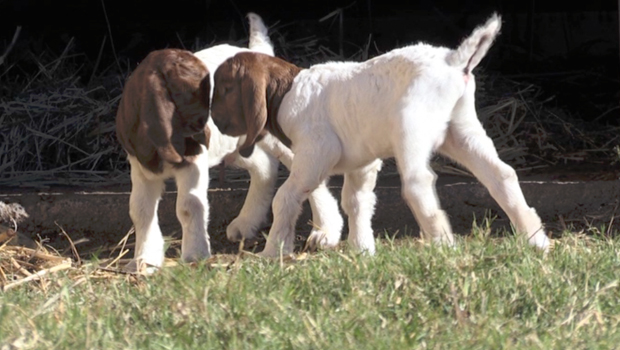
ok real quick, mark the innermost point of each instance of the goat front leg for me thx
(472, 148)
(358, 202)
(326, 219)
(263, 169)
(310, 168)
(143, 203)
(192, 208)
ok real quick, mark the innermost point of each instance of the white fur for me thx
(408, 103)
(192, 207)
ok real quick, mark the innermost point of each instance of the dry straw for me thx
(53, 128)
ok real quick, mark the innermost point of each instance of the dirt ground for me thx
(96, 218)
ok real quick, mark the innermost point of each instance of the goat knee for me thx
(286, 208)
(418, 189)
(190, 208)
(192, 212)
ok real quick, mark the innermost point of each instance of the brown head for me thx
(163, 112)
(248, 90)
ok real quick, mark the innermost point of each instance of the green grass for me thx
(486, 294)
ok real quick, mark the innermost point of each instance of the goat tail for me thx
(473, 49)
(259, 37)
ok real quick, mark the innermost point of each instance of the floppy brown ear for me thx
(205, 91)
(183, 75)
(158, 112)
(205, 98)
(254, 105)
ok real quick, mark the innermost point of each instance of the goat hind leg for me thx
(475, 150)
(418, 188)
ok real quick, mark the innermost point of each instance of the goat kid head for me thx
(248, 90)
(164, 108)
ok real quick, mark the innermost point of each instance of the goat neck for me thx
(281, 77)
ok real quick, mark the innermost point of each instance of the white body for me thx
(342, 118)
(192, 207)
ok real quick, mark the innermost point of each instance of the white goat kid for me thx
(191, 171)
(344, 117)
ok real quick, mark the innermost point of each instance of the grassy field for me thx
(488, 293)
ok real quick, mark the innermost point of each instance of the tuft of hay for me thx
(37, 266)
(19, 265)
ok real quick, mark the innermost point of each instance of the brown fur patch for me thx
(249, 88)
(164, 109)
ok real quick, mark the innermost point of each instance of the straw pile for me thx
(19, 265)
(54, 129)
(38, 267)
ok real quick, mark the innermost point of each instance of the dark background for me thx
(539, 39)
(138, 27)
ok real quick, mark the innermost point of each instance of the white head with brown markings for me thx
(248, 90)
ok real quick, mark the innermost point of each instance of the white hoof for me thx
(319, 239)
(271, 251)
(366, 245)
(540, 241)
(140, 267)
(240, 229)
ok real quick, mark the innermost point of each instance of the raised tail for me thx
(259, 37)
(473, 49)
